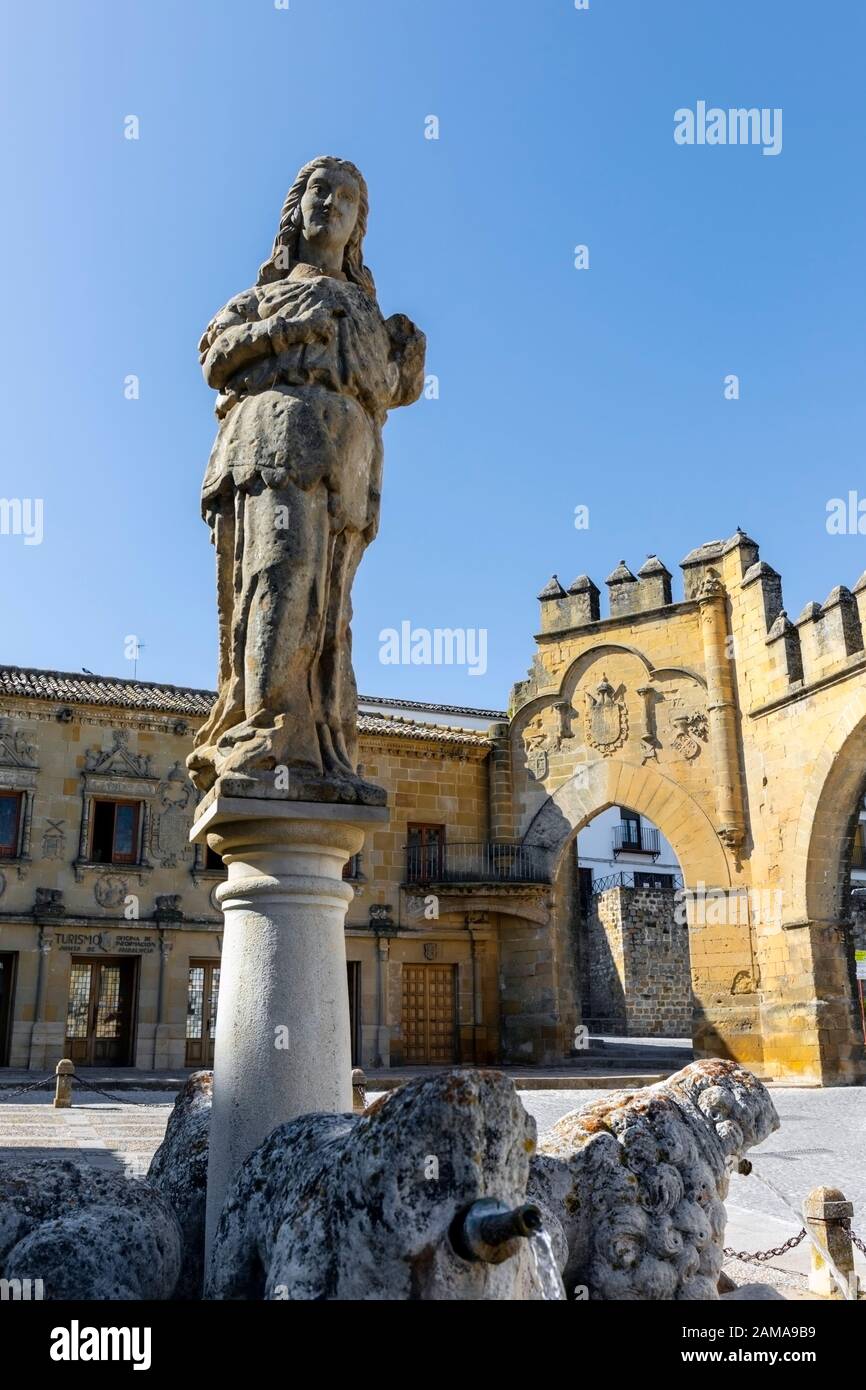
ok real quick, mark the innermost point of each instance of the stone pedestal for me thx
(282, 1034)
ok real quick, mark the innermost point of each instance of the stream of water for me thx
(546, 1268)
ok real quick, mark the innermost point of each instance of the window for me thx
(630, 828)
(426, 853)
(584, 890)
(212, 860)
(10, 822)
(645, 880)
(114, 839)
(352, 869)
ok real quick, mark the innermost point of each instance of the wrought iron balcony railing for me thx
(665, 883)
(633, 838)
(479, 861)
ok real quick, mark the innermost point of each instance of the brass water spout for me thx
(490, 1232)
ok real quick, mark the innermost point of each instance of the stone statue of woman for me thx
(307, 370)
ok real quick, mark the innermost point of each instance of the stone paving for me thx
(822, 1141)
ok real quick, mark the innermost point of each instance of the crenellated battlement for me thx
(780, 655)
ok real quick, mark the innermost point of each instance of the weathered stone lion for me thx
(86, 1235)
(375, 1206)
(637, 1182)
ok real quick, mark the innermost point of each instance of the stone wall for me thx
(637, 962)
(55, 904)
(742, 736)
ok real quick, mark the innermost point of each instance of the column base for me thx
(282, 1035)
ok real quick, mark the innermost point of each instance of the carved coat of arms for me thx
(690, 727)
(536, 742)
(16, 749)
(606, 719)
(169, 836)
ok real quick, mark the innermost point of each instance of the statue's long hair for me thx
(284, 253)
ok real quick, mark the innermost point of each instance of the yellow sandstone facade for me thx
(741, 735)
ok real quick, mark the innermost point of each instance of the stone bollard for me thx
(828, 1215)
(63, 1091)
(359, 1091)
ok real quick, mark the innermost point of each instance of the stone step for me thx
(590, 1081)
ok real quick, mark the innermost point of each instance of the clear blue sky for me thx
(558, 387)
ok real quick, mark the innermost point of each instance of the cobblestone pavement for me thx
(822, 1141)
(114, 1137)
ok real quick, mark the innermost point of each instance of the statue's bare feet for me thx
(335, 757)
(341, 772)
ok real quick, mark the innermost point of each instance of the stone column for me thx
(722, 714)
(501, 802)
(383, 1029)
(35, 1060)
(161, 1028)
(282, 1037)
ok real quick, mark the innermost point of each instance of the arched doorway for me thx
(725, 999)
(630, 930)
(827, 836)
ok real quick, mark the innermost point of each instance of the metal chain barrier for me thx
(759, 1256)
(88, 1085)
(34, 1086)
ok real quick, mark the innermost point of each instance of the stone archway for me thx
(742, 735)
(725, 998)
(817, 919)
(611, 782)
(821, 858)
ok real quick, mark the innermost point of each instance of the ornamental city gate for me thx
(99, 1013)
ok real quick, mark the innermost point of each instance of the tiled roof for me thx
(436, 709)
(391, 727)
(82, 689)
(85, 689)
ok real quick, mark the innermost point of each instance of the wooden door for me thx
(353, 979)
(428, 1015)
(425, 853)
(99, 1012)
(203, 987)
(8, 963)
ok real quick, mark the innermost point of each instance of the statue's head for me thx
(327, 205)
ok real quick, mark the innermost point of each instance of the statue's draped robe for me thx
(307, 370)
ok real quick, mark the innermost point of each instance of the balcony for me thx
(633, 838)
(478, 861)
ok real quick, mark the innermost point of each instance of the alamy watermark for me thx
(738, 125)
(441, 646)
(22, 516)
(22, 1290)
(717, 907)
(846, 516)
